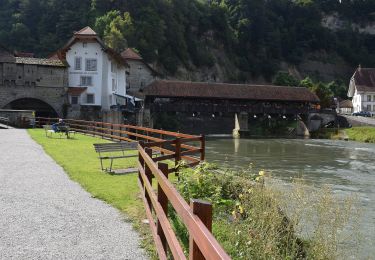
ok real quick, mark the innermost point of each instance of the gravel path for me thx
(45, 215)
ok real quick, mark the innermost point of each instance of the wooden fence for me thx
(172, 145)
(197, 217)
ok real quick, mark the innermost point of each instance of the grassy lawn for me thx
(79, 159)
(362, 134)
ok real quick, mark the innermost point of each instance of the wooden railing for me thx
(171, 145)
(197, 217)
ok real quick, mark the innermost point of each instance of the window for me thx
(113, 67)
(368, 97)
(114, 85)
(368, 108)
(86, 81)
(78, 63)
(91, 65)
(74, 100)
(373, 108)
(110, 100)
(90, 99)
(84, 44)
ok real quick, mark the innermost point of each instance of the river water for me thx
(348, 167)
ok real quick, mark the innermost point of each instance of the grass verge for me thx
(361, 134)
(79, 159)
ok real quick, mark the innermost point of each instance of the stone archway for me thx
(41, 108)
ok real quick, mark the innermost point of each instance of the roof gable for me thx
(86, 31)
(364, 79)
(89, 35)
(130, 54)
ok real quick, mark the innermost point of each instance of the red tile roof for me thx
(76, 91)
(165, 88)
(346, 104)
(364, 79)
(130, 54)
(85, 31)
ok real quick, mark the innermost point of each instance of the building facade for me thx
(97, 77)
(31, 83)
(139, 73)
(362, 90)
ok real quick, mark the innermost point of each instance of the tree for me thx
(285, 79)
(115, 29)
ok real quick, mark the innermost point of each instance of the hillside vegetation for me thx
(226, 40)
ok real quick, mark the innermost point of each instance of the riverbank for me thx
(361, 134)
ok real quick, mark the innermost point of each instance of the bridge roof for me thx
(165, 88)
(41, 62)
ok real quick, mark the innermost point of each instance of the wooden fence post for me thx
(178, 151)
(163, 200)
(203, 210)
(142, 164)
(203, 147)
(149, 176)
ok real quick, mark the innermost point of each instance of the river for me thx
(348, 167)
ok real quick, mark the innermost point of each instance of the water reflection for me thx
(348, 166)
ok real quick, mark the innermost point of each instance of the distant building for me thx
(139, 73)
(97, 78)
(362, 90)
(345, 107)
(31, 83)
(212, 108)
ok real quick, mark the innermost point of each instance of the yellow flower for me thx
(241, 209)
(257, 178)
(240, 196)
(261, 173)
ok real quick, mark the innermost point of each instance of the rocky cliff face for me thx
(335, 23)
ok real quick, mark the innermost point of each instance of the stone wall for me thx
(44, 83)
(139, 76)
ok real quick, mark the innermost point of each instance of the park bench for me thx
(63, 130)
(114, 149)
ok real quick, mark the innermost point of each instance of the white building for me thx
(362, 90)
(97, 77)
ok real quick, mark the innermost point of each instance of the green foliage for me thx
(250, 219)
(325, 92)
(115, 29)
(256, 35)
(361, 134)
(285, 79)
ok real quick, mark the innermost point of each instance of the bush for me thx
(257, 221)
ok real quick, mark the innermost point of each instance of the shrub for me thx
(254, 220)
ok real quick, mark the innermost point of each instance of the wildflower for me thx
(241, 209)
(257, 178)
(261, 173)
(240, 196)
